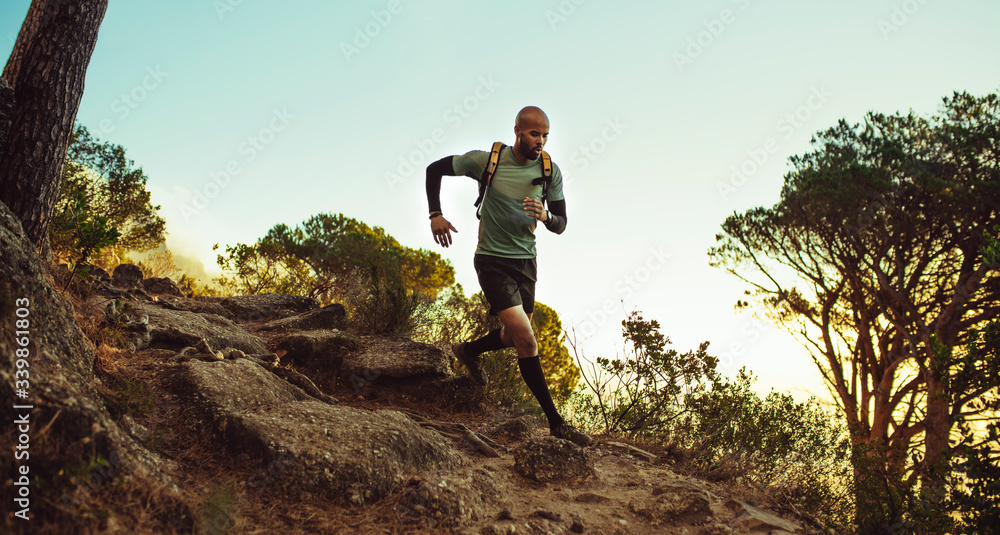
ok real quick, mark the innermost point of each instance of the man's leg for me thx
(517, 331)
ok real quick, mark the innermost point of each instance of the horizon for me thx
(246, 115)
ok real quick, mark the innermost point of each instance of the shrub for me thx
(721, 428)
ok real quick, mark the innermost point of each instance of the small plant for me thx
(381, 303)
(88, 234)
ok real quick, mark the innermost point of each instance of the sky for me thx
(666, 117)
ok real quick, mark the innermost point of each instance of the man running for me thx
(505, 258)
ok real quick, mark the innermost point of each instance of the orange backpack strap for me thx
(546, 176)
(488, 172)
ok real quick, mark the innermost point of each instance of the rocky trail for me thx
(262, 414)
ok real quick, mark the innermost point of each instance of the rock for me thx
(66, 406)
(176, 329)
(458, 499)
(576, 526)
(337, 451)
(126, 277)
(99, 274)
(196, 305)
(396, 358)
(547, 515)
(161, 286)
(589, 497)
(218, 390)
(318, 350)
(549, 459)
(749, 517)
(332, 317)
(674, 504)
(517, 429)
(265, 306)
(307, 446)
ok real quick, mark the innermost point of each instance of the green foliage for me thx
(975, 484)
(101, 185)
(455, 317)
(380, 303)
(772, 441)
(991, 248)
(320, 258)
(646, 391)
(261, 268)
(722, 428)
(85, 234)
(975, 493)
(878, 257)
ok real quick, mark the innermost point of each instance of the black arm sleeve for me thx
(557, 216)
(434, 173)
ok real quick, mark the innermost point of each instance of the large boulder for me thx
(126, 277)
(60, 385)
(337, 451)
(318, 351)
(266, 306)
(161, 286)
(318, 449)
(162, 328)
(196, 305)
(218, 390)
(396, 358)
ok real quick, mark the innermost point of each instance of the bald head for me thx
(531, 131)
(531, 113)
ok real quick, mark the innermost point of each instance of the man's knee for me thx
(524, 341)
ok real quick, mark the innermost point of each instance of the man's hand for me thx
(535, 209)
(442, 230)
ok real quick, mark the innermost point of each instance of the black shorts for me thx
(507, 282)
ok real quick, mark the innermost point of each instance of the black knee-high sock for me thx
(531, 372)
(489, 342)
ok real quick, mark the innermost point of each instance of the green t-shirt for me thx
(505, 229)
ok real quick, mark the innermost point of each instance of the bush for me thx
(647, 391)
(100, 184)
(379, 303)
(722, 429)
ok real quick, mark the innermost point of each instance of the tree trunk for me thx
(937, 443)
(46, 69)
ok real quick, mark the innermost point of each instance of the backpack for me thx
(491, 168)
